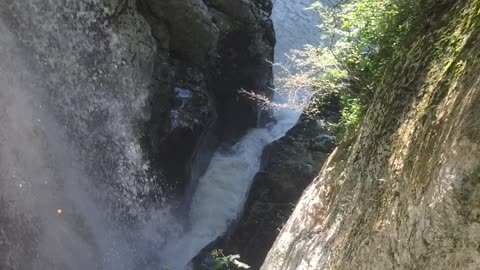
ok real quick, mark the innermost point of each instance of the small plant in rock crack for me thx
(230, 262)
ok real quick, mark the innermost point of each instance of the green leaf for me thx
(218, 265)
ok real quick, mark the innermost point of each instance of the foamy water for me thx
(222, 191)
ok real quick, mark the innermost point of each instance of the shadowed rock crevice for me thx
(206, 52)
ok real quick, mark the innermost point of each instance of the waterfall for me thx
(72, 101)
(71, 166)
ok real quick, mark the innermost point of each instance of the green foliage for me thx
(351, 115)
(361, 38)
(230, 262)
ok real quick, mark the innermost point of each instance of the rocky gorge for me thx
(126, 142)
(134, 98)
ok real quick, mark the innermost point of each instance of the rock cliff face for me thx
(206, 52)
(193, 56)
(405, 194)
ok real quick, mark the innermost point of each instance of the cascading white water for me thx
(222, 191)
(33, 172)
(70, 104)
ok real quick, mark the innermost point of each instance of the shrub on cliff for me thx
(360, 39)
(226, 262)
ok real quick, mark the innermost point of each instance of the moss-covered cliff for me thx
(405, 193)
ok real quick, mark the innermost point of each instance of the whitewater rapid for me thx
(222, 190)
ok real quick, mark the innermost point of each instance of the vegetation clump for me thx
(360, 39)
(226, 262)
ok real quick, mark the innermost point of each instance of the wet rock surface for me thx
(206, 52)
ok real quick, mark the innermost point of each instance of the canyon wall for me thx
(405, 193)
